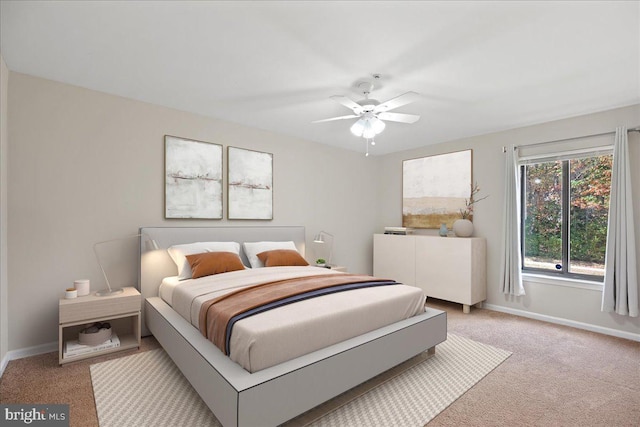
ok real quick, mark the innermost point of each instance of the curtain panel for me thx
(620, 294)
(511, 262)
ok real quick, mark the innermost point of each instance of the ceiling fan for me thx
(371, 112)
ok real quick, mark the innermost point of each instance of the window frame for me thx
(565, 158)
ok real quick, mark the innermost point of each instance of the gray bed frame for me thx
(277, 394)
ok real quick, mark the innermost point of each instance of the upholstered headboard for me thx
(155, 265)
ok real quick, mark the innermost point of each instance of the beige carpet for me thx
(155, 393)
(556, 376)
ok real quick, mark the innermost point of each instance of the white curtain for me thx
(620, 293)
(511, 264)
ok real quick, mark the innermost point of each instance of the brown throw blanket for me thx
(216, 313)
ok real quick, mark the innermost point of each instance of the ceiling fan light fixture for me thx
(367, 127)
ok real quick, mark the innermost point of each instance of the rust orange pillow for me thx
(281, 257)
(209, 263)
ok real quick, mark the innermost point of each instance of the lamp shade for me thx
(377, 125)
(368, 132)
(358, 127)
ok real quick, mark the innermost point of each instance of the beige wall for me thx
(4, 141)
(574, 304)
(86, 167)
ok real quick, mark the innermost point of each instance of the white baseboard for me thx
(27, 352)
(565, 322)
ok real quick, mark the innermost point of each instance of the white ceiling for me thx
(479, 66)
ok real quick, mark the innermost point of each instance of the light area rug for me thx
(147, 389)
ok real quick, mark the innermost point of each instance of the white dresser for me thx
(449, 268)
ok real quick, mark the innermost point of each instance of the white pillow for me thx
(252, 249)
(179, 253)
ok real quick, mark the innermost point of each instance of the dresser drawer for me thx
(93, 307)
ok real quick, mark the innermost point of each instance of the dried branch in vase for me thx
(471, 201)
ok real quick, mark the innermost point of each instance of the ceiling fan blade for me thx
(357, 108)
(396, 102)
(351, 116)
(399, 117)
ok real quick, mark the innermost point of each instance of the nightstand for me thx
(122, 311)
(335, 267)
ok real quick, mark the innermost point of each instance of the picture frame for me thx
(435, 189)
(193, 179)
(249, 184)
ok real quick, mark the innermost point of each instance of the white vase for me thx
(463, 228)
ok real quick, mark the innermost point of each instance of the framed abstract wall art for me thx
(193, 179)
(250, 182)
(434, 189)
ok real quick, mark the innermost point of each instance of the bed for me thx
(280, 390)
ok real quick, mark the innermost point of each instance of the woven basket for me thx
(94, 338)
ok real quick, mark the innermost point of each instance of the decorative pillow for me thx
(179, 252)
(281, 257)
(252, 249)
(210, 263)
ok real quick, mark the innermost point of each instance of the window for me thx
(565, 206)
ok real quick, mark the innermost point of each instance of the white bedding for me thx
(269, 338)
(166, 288)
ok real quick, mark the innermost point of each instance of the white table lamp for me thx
(321, 238)
(150, 244)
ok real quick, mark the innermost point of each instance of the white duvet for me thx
(281, 334)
